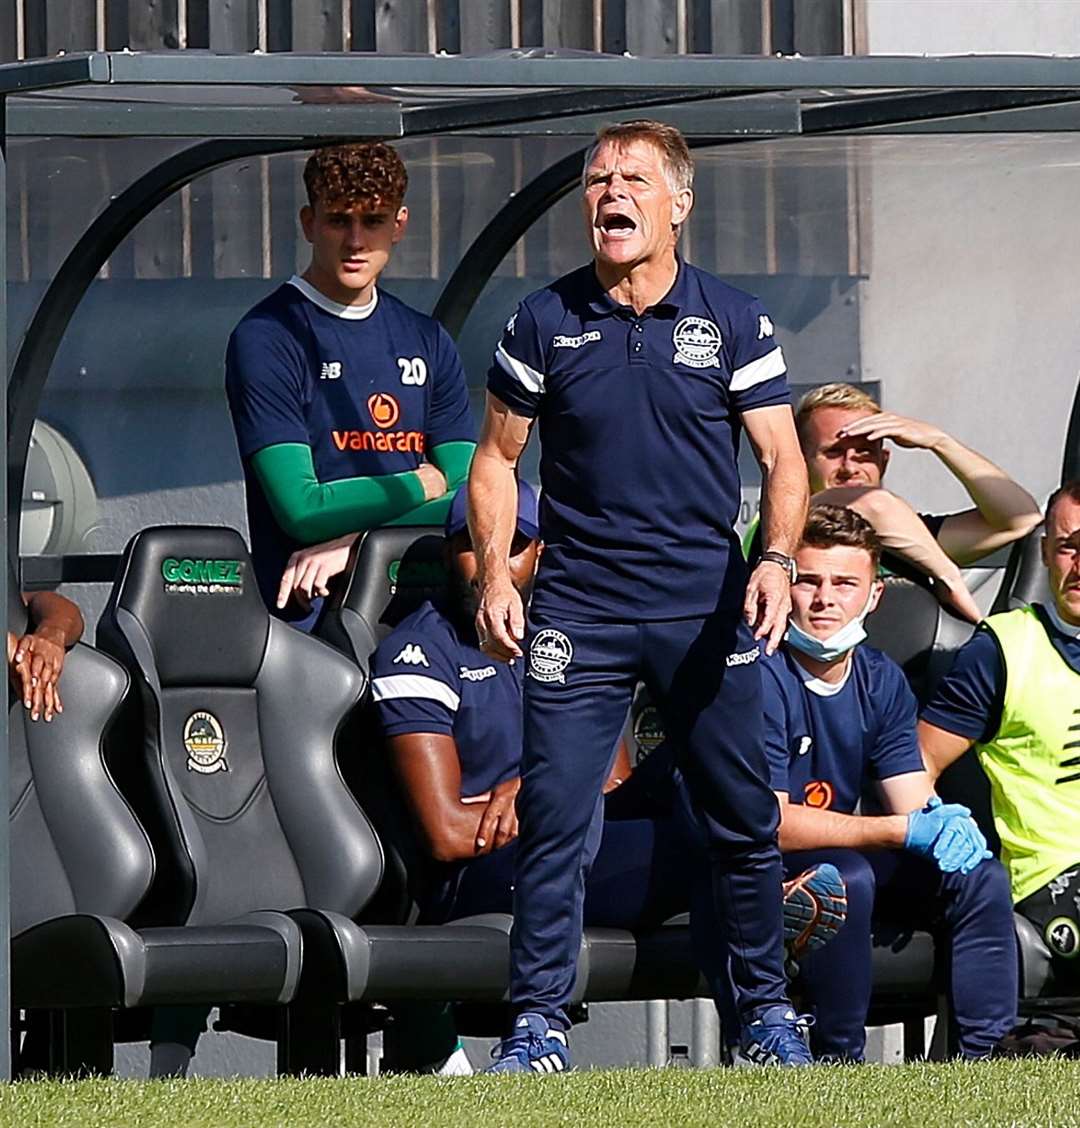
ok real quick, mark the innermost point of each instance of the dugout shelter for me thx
(97, 146)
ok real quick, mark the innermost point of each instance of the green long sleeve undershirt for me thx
(311, 511)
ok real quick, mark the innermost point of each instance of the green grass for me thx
(1045, 1092)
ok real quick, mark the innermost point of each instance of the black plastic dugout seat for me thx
(241, 788)
(81, 864)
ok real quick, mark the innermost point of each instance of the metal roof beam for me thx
(904, 108)
(47, 74)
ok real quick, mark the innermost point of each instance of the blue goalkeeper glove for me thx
(960, 846)
(947, 834)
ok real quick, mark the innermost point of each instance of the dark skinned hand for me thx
(35, 669)
(499, 824)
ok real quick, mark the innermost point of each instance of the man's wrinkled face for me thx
(833, 587)
(1061, 555)
(832, 460)
(350, 246)
(524, 557)
(631, 211)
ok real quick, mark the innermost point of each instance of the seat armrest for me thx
(78, 960)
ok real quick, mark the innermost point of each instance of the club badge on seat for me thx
(204, 739)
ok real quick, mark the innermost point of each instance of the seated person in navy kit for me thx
(350, 408)
(840, 724)
(453, 721)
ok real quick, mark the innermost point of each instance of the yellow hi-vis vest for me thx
(1033, 761)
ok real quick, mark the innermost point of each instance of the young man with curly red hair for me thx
(350, 408)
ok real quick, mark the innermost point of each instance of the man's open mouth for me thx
(617, 225)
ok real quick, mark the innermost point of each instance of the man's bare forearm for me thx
(55, 615)
(1002, 503)
(784, 498)
(806, 828)
(492, 511)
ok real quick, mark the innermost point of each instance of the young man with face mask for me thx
(453, 722)
(840, 730)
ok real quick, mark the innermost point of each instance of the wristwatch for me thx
(786, 562)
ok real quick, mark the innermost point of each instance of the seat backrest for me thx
(76, 846)
(240, 715)
(916, 632)
(1025, 580)
(394, 571)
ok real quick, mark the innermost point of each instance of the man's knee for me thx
(985, 887)
(859, 880)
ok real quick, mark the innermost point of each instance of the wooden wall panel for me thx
(320, 25)
(233, 25)
(402, 26)
(9, 39)
(70, 25)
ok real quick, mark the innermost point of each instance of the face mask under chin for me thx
(837, 644)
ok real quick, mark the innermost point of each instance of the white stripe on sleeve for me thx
(758, 371)
(528, 378)
(398, 686)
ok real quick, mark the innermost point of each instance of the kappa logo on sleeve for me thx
(549, 655)
(412, 654)
(804, 745)
(746, 658)
(765, 328)
(697, 343)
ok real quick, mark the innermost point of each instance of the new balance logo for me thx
(764, 328)
(412, 655)
(331, 370)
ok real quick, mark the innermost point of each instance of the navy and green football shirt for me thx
(368, 388)
(429, 675)
(639, 421)
(827, 743)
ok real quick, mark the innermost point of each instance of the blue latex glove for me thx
(960, 846)
(924, 826)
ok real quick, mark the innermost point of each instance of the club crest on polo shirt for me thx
(697, 342)
(549, 655)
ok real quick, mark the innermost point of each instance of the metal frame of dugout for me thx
(714, 100)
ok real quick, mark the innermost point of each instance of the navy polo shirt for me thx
(969, 699)
(825, 744)
(369, 389)
(639, 420)
(430, 676)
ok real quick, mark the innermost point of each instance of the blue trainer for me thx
(775, 1037)
(815, 906)
(534, 1047)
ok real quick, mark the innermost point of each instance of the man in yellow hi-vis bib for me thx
(1014, 692)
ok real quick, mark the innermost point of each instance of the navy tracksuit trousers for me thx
(580, 679)
(890, 891)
